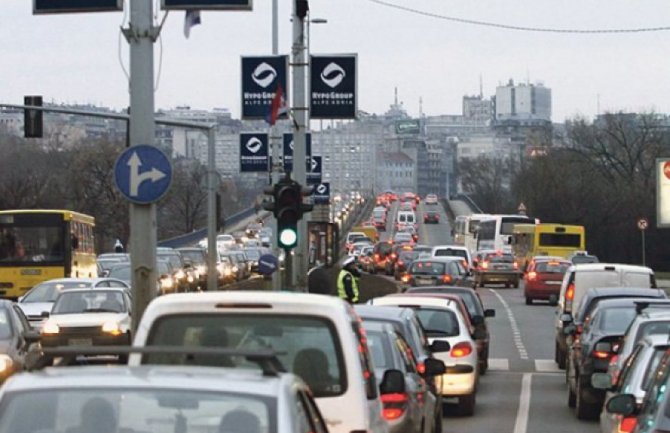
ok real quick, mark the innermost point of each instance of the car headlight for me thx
(166, 283)
(6, 364)
(201, 269)
(179, 274)
(189, 278)
(227, 271)
(50, 328)
(112, 328)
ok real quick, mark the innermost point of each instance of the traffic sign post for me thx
(143, 174)
(643, 224)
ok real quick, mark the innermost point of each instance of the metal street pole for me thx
(212, 251)
(274, 147)
(299, 110)
(143, 238)
(644, 251)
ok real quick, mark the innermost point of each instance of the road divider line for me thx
(516, 333)
(521, 424)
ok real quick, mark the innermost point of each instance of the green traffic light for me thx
(288, 238)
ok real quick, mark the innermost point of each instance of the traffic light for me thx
(301, 8)
(288, 209)
(32, 119)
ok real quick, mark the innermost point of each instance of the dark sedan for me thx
(431, 217)
(437, 272)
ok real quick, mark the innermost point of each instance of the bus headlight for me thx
(50, 328)
(112, 328)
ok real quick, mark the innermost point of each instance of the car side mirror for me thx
(434, 367)
(45, 314)
(31, 337)
(479, 334)
(601, 381)
(477, 320)
(622, 404)
(393, 382)
(439, 346)
(490, 313)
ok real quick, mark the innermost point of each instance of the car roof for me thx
(80, 280)
(417, 300)
(383, 312)
(591, 267)
(595, 292)
(441, 259)
(150, 377)
(98, 289)
(623, 302)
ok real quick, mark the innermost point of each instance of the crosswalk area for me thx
(524, 365)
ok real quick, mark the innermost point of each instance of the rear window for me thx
(616, 320)
(451, 252)
(500, 258)
(428, 268)
(652, 328)
(560, 240)
(552, 267)
(379, 346)
(307, 346)
(438, 323)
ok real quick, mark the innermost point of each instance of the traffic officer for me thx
(347, 281)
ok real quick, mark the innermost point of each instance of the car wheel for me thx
(561, 359)
(515, 283)
(529, 301)
(508, 285)
(466, 405)
(437, 427)
(483, 366)
(572, 398)
(585, 411)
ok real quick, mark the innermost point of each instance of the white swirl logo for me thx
(315, 164)
(264, 75)
(254, 145)
(322, 189)
(333, 74)
(290, 145)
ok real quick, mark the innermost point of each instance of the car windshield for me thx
(307, 346)
(616, 320)
(105, 410)
(428, 268)
(49, 291)
(120, 272)
(93, 301)
(174, 259)
(5, 325)
(195, 257)
(438, 323)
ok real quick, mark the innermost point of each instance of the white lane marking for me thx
(546, 366)
(521, 424)
(523, 353)
(498, 364)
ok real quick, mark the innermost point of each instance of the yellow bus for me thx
(38, 245)
(546, 239)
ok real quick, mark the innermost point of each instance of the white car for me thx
(453, 250)
(84, 317)
(430, 199)
(442, 320)
(320, 338)
(225, 242)
(110, 399)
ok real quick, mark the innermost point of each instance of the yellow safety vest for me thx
(341, 291)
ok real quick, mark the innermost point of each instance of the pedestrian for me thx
(118, 246)
(347, 281)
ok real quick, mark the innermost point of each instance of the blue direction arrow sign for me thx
(67, 6)
(267, 264)
(143, 173)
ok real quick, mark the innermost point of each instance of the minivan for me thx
(578, 279)
(405, 217)
(318, 337)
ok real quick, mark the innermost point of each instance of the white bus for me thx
(495, 232)
(465, 227)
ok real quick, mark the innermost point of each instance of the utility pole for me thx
(143, 239)
(274, 147)
(299, 109)
(212, 212)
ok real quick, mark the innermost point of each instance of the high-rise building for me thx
(522, 102)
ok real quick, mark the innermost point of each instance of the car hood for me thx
(86, 319)
(35, 308)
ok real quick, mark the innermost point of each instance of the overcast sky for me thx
(74, 58)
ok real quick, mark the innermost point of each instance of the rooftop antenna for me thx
(396, 95)
(598, 104)
(420, 106)
(481, 87)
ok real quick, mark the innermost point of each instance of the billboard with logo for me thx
(288, 150)
(241, 5)
(253, 152)
(321, 193)
(407, 127)
(333, 89)
(261, 77)
(314, 170)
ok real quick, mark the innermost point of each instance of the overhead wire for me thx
(515, 27)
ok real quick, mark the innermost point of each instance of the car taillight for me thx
(601, 354)
(376, 256)
(394, 404)
(446, 278)
(400, 263)
(461, 349)
(628, 424)
(532, 275)
(569, 296)
(485, 265)
(393, 256)
(421, 367)
(405, 278)
(579, 329)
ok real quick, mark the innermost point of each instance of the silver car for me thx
(411, 411)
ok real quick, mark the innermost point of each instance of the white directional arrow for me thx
(136, 178)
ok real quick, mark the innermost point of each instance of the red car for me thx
(543, 278)
(431, 217)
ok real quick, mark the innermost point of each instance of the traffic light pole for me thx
(299, 109)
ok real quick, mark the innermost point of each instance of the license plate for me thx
(426, 281)
(80, 342)
(555, 283)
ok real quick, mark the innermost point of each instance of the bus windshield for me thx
(31, 244)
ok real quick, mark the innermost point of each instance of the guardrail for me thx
(466, 198)
(193, 237)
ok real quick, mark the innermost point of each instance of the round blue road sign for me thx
(143, 173)
(267, 264)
